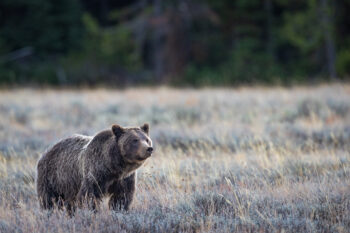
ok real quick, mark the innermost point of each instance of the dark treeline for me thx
(177, 42)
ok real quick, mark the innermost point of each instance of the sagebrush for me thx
(245, 160)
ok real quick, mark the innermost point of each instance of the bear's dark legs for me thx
(69, 207)
(47, 196)
(47, 201)
(89, 193)
(122, 193)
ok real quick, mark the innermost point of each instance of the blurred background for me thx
(173, 42)
(246, 158)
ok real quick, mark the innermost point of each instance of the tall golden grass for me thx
(244, 160)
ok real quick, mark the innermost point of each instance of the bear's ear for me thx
(145, 128)
(117, 130)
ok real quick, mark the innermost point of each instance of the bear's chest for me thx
(118, 183)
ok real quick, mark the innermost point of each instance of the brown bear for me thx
(82, 169)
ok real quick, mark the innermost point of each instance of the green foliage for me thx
(50, 28)
(113, 45)
(196, 42)
(303, 32)
(302, 29)
(248, 60)
(343, 62)
(103, 49)
(44, 73)
(46, 25)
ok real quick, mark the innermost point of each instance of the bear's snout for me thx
(150, 150)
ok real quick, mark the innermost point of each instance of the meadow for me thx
(226, 160)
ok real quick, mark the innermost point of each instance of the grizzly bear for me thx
(82, 169)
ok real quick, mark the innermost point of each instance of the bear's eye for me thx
(135, 140)
(147, 140)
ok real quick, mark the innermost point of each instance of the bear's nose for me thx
(149, 149)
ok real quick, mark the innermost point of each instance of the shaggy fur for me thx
(84, 169)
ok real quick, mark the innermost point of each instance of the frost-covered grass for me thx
(249, 159)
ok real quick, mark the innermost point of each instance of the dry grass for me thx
(250, 159)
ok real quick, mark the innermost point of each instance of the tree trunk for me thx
(328, 37)
(269, 14)
(158, 43)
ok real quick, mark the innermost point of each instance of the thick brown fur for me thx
(82, 169)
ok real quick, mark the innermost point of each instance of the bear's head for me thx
(134, 144)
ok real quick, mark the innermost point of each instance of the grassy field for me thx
(245, 160)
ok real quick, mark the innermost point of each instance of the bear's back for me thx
(64, 153)
(69, 146)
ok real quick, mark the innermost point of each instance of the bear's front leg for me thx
(122, 193)
(89, 193)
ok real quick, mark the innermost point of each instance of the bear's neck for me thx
(121, 169)
(126, 168)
